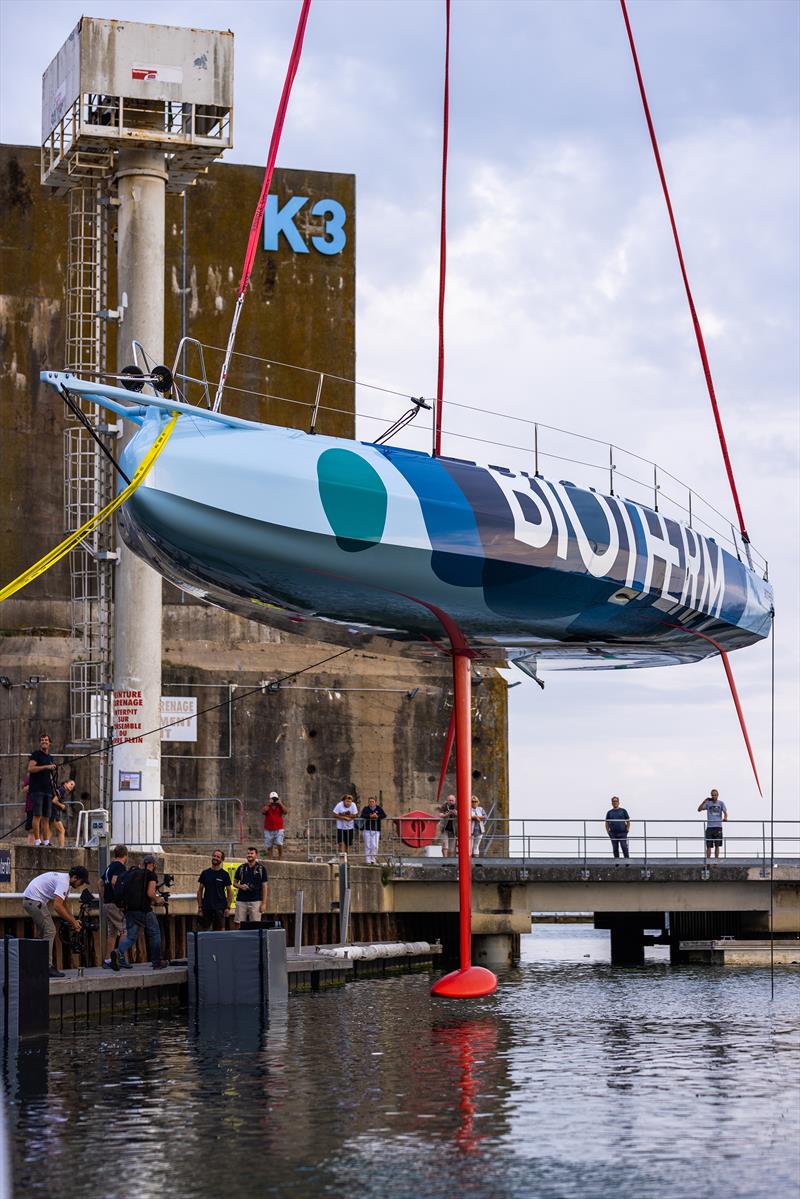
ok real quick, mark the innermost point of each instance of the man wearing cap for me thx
(141, 897)
(52, 887)
(273, 813)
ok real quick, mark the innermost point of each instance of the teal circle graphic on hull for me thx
(354, 498)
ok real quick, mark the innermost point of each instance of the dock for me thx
(93, 993)
(731, 951)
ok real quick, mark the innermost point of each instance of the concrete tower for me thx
(132, 110)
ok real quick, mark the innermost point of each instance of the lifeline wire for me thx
(695, 319)
(92, 523)
(258, 215)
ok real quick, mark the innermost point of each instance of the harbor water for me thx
(577, 1079)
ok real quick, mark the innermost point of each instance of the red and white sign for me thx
(128, 717)
(154, 73)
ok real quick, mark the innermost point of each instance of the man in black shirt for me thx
(251, 896)
(41, 769)
(141, 896)
(214, 894)
(115, 917)
(618, 824)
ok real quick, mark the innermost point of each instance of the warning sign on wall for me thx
(183, 709)
(128, 717)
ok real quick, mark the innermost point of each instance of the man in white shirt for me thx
(52, 887)
(345, 812)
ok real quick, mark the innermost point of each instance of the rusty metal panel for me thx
(61, 82)
(139, 61)
(162, 62)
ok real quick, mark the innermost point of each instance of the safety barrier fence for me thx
(584, 841)
(191, 821)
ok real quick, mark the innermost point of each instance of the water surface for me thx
(577, 1079)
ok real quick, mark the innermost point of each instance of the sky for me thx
(564, 301)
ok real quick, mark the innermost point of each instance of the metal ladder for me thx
(89, 476)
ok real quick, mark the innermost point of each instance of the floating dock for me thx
(94, 993)
(729, 951)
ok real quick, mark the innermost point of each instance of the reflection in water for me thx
(473, 1045)
(376, 1091)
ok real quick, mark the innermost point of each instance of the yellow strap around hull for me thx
(92, 523)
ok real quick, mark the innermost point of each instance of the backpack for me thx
(130, 890)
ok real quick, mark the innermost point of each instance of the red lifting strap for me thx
(695, 320)
(437, 440)
(280, 116)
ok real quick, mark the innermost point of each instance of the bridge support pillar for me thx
(627, 940)
(493, 949)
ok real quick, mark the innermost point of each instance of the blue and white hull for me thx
(347, 541)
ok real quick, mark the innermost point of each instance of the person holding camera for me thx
(52, 887)
(448, 825)
(251, 897)
(140, 897)
(214, 894)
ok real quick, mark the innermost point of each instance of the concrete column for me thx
(493, 949)
(627, 940)
(141, 181)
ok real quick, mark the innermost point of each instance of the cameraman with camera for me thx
(140, 895)
(52, 887)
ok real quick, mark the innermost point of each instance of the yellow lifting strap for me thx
(92, 523)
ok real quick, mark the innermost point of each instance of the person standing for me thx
(618, 824)
(716, 814)
(273, 813)
(373, 816)
(41, 769)
(52, 887)
(214, 894)
(141, 896)
(58, 808)
(345, 812)
(253, 887)
(448, 825)
(115, 917)
(478, 824)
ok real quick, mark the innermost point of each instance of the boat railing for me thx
(322, 402)
(585, 842)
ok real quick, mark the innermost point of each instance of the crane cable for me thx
(437, 434)
(695, 319)
(93, 522)
(258, 215)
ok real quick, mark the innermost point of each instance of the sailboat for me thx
(362, 542)
(347, 541)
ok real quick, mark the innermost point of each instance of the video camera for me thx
(77, 940)
(163, 887)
